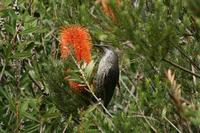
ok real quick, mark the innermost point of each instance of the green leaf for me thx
(32, 128)
(24, 106)
(21, 55)
(164, 112)
(89, 69)
(25, 45)
(29, 116)
(6, 2)
(28, 31)
(10, 29)
(2, 131)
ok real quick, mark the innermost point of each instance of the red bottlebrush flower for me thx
(106, 8)
(79, 38)
(77, 87)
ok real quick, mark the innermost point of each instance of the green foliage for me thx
(150, 37)
(65, 99)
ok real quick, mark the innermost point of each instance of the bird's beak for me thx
(100, 47)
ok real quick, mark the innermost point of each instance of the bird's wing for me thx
(99, 91)
(110, 82)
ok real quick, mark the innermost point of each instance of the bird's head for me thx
(109, 53)
(103, 47)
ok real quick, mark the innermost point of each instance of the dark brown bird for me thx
(107, 75)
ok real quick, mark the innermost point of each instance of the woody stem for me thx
(89, 88)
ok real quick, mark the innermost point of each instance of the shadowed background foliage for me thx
(158, 45)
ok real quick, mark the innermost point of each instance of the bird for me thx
(71, 96)
(107, 75)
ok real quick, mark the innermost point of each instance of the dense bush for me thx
(158, 44)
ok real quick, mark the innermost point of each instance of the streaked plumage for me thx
(107, 74)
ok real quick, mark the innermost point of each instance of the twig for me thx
(92, 12)
(37, 84)
(143, 116)
(190, 60)
(146, 119)
(181, 68)
(194, 78)
(41, 127)
(89, 88)
(172, 124)
(66, 126)
(154, 130)
(3, 69)
(13, 40)
(126, 88)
